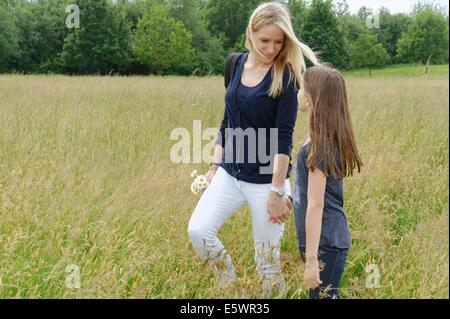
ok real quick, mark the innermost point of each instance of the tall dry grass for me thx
(86, 179)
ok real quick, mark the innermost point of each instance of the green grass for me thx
(86, 179)
(401, 70)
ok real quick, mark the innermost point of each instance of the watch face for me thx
(278, 191)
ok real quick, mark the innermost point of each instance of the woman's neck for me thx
(256, 63)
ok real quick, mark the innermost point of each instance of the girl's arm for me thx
(316, 193)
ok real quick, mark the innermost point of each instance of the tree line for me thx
(194, 37)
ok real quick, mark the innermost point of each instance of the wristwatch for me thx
(278, 190)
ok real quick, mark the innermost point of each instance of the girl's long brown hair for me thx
(330, 123)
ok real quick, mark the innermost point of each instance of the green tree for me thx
(420, 6)
(364, 12)
(366, 51)
(391, 27)
(187, 12)
(162, 42)
(134, 10)
(42, 30)
(352, 27)
(228, 19)
(212, 60)
(297, 9)
(321, 32)
(341, 8)
(207, 53)
(426, 36)
(12, 4)
(102, 44)
(9, 39)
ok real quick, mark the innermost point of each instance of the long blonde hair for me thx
(293, 51)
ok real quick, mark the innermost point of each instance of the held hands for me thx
(278, 208)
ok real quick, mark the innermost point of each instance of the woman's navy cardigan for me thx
(260, 122)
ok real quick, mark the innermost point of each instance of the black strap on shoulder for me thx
(230, 65)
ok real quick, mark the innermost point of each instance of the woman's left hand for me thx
(278, 209)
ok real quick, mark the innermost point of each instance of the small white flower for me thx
(194, 188)
(200, 182)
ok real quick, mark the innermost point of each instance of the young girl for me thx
(328, 155)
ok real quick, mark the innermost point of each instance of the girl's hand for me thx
(278, 209)
(312, 273)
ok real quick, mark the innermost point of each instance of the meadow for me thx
(86, 180)
(402, 70)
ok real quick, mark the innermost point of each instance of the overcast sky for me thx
(394, 6)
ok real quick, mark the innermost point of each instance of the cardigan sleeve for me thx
(287, 108)
(220, 140)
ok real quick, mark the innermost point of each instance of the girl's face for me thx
(304, 100)
(269, 41)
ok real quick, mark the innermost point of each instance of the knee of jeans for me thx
(199, 234)
(195, 233)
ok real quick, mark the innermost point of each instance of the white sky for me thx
(394, 6)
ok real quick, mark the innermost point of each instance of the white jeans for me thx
(221, 199)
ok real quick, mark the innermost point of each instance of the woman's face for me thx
(269, 41)
(304, 100)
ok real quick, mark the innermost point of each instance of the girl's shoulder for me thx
(306, 141)
(304, 150)
(305, 145)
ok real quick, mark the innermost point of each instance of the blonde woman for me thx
(260, 111)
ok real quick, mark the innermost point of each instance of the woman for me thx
(260, 110)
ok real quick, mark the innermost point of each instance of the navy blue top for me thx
(335, 231)
(243, 92)
(251, 110)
